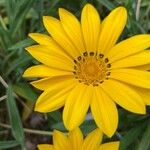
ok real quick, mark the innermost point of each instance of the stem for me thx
(31, 131)
(138, 9)
(3, 82)
(2, 23)
(119, 135)
(3, 97)
(6, 86)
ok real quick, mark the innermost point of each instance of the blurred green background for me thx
(20, 127)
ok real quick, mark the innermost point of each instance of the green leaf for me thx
(131, 135)
(15, 121)
(88, 126)
(59, 126)
(24, 90)
(53, 3)
(2, 2)
(18, 63)
(55, 115)
(21, 44)
(109, 5)
(145, 141)
(8, 144)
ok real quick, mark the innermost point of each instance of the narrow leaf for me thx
(109, 5)
(15, 120)
(8, 144)
(145, 141)
(131, 136)
(24, 90)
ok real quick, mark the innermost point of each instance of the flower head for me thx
(83, 67)
(75, 141)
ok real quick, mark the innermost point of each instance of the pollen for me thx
(92, 68)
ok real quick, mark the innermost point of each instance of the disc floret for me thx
(92, 68)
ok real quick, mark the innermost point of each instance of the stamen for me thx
(85, 54)
(108, 65)
(75, 61)
(101, 82)
(108, 73)
(74, 72)
(91, 70)
(79, 58)
(106, 60)
(75, 67)
(95, 84)
(101, 55)
(91, 53)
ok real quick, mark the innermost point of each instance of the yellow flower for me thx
(75, 141)
(82, 67)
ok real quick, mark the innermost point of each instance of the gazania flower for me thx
(75, 141)
(83, 67)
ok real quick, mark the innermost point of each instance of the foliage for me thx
(20, 17)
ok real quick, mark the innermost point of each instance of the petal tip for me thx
(31, 35)
(88, 5)
(143, 111)
(122, 10)
(45, 19)
(67, 125)
(110, 133)
(27, 48)
(61, 10)
(25, 74)
(37, 108)
(62, 13)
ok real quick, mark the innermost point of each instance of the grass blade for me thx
(145, 142)
(107, 4)
(8, 144)
(15, 120)
(131, 136)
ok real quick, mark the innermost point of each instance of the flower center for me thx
(92, 68)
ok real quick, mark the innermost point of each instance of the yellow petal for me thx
(111, 29)
(49, 43)
(72, 28)
(145, 94)
(41, 38)
(129, 46)
(143, 67)
(61, 142)
(46, 83)
(93, 140)
(44, 71)
(46, 56)
(90, 22)
(55, 96)
(134, 60)
(45, 147)
(56, 30)
(125, 96)
(76, 106)
(131, 76)
(76, 138)
(110, 146)
(104, 112)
